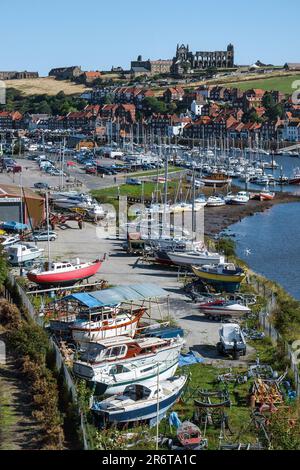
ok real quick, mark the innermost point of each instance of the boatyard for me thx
(144, 312)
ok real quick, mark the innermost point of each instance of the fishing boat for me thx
(22, 253)
(226, 276)
(141, 403)
(64, 273)
(116, 377)
(224, 308)
(99, 357)
(97, 326)
(296, 177)
(195, 257)
(215, 201)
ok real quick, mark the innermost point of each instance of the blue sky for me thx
(96, 34)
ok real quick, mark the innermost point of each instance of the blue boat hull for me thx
(143, 414)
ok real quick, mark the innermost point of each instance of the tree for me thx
(251, 116)
(275, 112)
(211, 71)
(154, 105)
(268, 101)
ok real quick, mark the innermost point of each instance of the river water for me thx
(270, 244)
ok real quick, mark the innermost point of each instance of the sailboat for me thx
(62, 273)
(140, 402)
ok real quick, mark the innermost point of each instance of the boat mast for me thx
(48, 231)
(157, 407)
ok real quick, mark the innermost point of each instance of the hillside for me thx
(282, 83)
(47, 85)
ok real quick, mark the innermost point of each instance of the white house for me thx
(196, 108)
(291, 130)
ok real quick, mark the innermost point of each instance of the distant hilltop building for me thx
(184, 61)
(150, 67)
(18, 75)
(66, 73)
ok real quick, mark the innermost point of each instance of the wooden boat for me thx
(64, 273)
(141, 403)
(225, 276)
(217, 180)
(97, 326)
(123, 350)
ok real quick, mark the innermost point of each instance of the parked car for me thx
(133, 181)
(42, 236)
(41, 185)
(91, 170)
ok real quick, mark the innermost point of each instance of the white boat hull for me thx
(184, 260)
(93, 372)
(112, 386)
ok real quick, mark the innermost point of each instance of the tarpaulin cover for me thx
(189, 358)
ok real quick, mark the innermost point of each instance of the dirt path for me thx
(18, 429)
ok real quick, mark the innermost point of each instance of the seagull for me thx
(248, 252)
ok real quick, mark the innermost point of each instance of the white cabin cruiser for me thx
(22, 253)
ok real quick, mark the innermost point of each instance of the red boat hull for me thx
(65, 278)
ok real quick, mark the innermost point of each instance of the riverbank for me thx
(217, 219)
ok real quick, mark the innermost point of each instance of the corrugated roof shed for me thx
(116, 295)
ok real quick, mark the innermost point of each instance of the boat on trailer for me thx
(221, 308)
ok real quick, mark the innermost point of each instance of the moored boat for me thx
(215, 201)
(216, 180)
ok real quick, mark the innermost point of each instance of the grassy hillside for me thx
(283, 83)
(47, 85)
